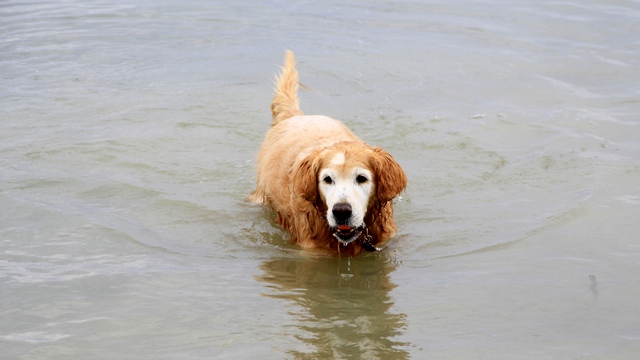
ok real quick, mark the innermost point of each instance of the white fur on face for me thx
(339, 184)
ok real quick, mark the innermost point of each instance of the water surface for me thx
(127, 146)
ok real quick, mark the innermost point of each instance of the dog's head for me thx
(347, 179)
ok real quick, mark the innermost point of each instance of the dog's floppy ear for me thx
(304, 177)
(390, 178)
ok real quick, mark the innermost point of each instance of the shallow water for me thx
(128, 138)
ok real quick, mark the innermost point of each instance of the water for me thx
(128, 138)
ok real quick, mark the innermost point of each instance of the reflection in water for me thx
(346, 305)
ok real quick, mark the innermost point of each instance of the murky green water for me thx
(127, 144)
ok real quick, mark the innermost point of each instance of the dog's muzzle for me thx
(344, 232)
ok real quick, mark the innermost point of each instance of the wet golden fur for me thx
(297, 148)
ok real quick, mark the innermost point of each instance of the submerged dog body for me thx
(326, 186)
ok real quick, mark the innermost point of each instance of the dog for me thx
(327, 187)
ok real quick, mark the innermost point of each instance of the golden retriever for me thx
(326, 186)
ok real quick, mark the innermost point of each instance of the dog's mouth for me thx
(346, 234)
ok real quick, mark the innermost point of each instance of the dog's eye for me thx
(327, 180)
(360, 179)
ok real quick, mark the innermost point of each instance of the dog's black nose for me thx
(341, 211)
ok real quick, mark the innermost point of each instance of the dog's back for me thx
(292, 136)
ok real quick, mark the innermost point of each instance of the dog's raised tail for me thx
(285, 101)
